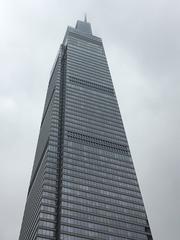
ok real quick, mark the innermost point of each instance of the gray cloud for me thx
(142, 45)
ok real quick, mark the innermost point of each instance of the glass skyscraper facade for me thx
(83, 183)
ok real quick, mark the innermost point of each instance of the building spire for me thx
(85, 17)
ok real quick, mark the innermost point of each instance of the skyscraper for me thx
(83, 183)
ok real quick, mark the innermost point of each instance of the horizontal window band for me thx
(96, 131)
(84, 231)
(114, 216)
(99, 60)
(107, 123)
(113, 224)
(89, 72)
(108, 184)
(83, 64)
(96, 41)
(94, 88)
(101, 130)
(98, 187)
(92, 171)
(94, 78)
(88, 47)
(94, 154)
(100, 146)
(81, 162)
(102, 205)
(88, 98)
(85, 48)
(93, 159)
(95, 119)
(80, 43)
(85, 107)
(72, 99)
(88, 93)
(106, 127)
(126, 199)
(75, 53)
(77, 59)
(92, 175)
(92, 105)
(98, 142)
(93, 114)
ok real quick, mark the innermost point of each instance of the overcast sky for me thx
(142, 44)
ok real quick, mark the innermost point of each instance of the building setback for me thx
(83, 183)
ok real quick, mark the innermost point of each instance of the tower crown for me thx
(84, 26)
